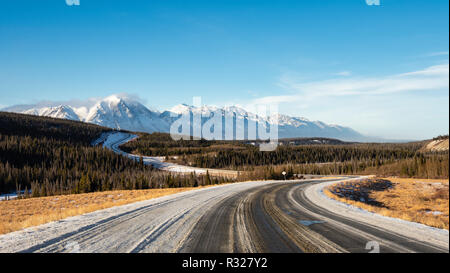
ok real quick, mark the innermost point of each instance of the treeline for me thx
(297, 170)
(53, 156)
(235, 154)
(428, 165)
(73, 132)
(420, 166)
(376, 154)
(162, 144)
(441, 137)
(335, 158)
(404, 160)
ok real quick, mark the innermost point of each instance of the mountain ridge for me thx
(123, 112)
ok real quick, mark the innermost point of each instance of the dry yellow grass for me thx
(424, 201)
(23, 213)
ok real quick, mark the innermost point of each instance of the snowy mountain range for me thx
(122, 112)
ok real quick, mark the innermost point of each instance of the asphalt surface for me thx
(250, 217)
(278, 218)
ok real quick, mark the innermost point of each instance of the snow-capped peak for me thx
(123, 112)
(113, 99)
(184, 108)
(181, 108)
(62, 111)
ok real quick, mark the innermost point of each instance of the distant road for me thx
(113, 141)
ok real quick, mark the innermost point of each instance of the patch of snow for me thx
(435, 212)
(8, 196)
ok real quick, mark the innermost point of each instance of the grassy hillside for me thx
(55, 156)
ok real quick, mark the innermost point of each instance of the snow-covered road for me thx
(259, 216)
(113, 140)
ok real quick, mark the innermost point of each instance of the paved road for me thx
(279, 218)
(242, 217)
(113, 140)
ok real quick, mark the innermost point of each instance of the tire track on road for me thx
(251, 222)
(253, 217)
(351, 233)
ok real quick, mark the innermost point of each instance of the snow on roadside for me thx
(46, 234)
(421, 232)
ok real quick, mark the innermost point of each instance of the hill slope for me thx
(437, 145)
(54, 156)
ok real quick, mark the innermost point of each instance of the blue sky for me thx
(382, 70)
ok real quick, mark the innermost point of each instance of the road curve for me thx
(246, 217)
(249, 217)
(113, 140)
(279, 218)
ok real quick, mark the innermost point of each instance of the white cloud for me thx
(431, 78)
(411, 105)
(440, 53)
(343, 73)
